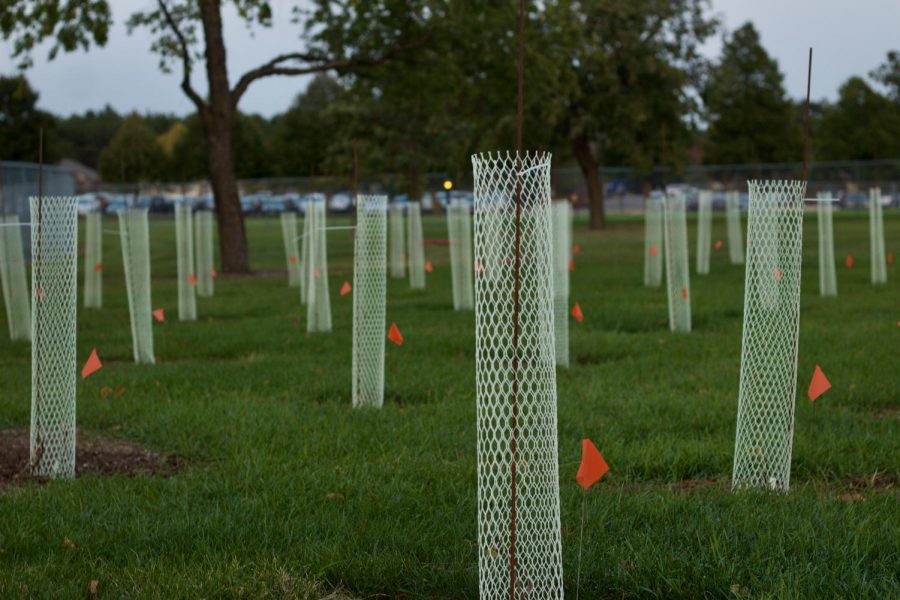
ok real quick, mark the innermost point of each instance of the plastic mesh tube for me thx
(54, 268)
(653, 241)
(318, 307)
(14, 280)
(291, 249)
(704, 231)
(562, 254)
(416, 247)
(876, 238)
(827, 275)
(93, 261)
(205, 253)
(134, 232)
(519, 546)
(678, 273)
(733, 221)
(397, 242)
(187, 278)
(765, 419)
(305, 242)
(459, 229)
(369, 295)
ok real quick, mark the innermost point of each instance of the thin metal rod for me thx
(806, 121)
(37, 272)
(580, 544)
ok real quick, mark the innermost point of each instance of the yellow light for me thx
(448, 185)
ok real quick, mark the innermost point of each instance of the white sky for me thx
(849, 37)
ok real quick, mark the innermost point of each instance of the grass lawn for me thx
(288, 492)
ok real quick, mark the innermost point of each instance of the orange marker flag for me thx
(428, 266)
(849, 261)
(777, 275)
(394, 335)
(39, 293)
(92, 365)
(576, 249)
(684, 293)
(592, 467)
(571, 264)
(346, 288)
(98, 267)
(577, 314)
(819, 384)
(160, 315)
(192, 279)
(890, 258)
(213, 273)
(718, 244)
(652, 250)
(293, 259)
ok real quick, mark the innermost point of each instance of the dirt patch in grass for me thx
(888, 413)
(104, 456)
(875, 482)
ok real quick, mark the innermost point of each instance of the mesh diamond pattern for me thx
(416, 247)
(318, 307)
(678, 272)
(562, 253)
(184, 236)
(653, 241)
(54, 251)
(519, 546)
(459, 230)
(876, 238)
(765, 421)
(14, 280)
(827, 275)
(704, 231)
(93, 261)
(205, 253)
(291, 249)
(397, 242)
(369, 295)
(134, 232)
(733, 221)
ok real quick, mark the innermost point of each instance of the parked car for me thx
(88, 203)
(342, 202)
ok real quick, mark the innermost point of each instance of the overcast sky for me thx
(848, 37)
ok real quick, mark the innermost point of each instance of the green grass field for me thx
(288, 492)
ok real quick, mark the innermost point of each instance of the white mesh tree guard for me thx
(704, 231)
(765, 420)
(318, 307)
(735, 231)
(54, 268)
(678, 272)
(827, 275)
(562, 253)
(519, 546)
(416, 247)
(305, 242)
(369, 292)
(397, 242)
(459, 229)
(876, 238)
(653, 241)
(93, 260)
(134, 232)
(205, 253)
(14, 280)
(291, 249)
(187, 278)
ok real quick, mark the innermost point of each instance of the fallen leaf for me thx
(92, 589)
(67, 543)
(334, 497)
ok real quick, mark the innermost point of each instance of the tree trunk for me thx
(590, 170)
(217, 120)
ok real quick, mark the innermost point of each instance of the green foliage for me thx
(888, 75)
(863, 125)
(21, 121)
(83, 137)
(70, 24)
(189, 157)
(750, 118)
(133, 154)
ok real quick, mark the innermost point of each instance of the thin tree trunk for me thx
(590, 170)
(217, 121)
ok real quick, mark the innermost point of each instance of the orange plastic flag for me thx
(576, 249)
(577, 314)
(890, 258)
(394, 335)
(213, 273)
(98, 267)
(346, 288)
(819, 384)
(718, 244)
(571, 264)
(684, 293)
(160, 315)
(652, 250)
(592, 466)
(192, 279)
(93, 364)
(478, 267)
(39, 293)
(293, 259)
(777, 275)
(428, 266)
(849, 261)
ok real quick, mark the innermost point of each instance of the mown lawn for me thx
(288, 492)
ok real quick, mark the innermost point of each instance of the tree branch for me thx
(185, 59)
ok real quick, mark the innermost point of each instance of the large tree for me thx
(189, 32)
(750, 118)
(888, 75)
(20, 121)
(862, 125)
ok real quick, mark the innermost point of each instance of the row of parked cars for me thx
(844, 199)
(257, 203)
